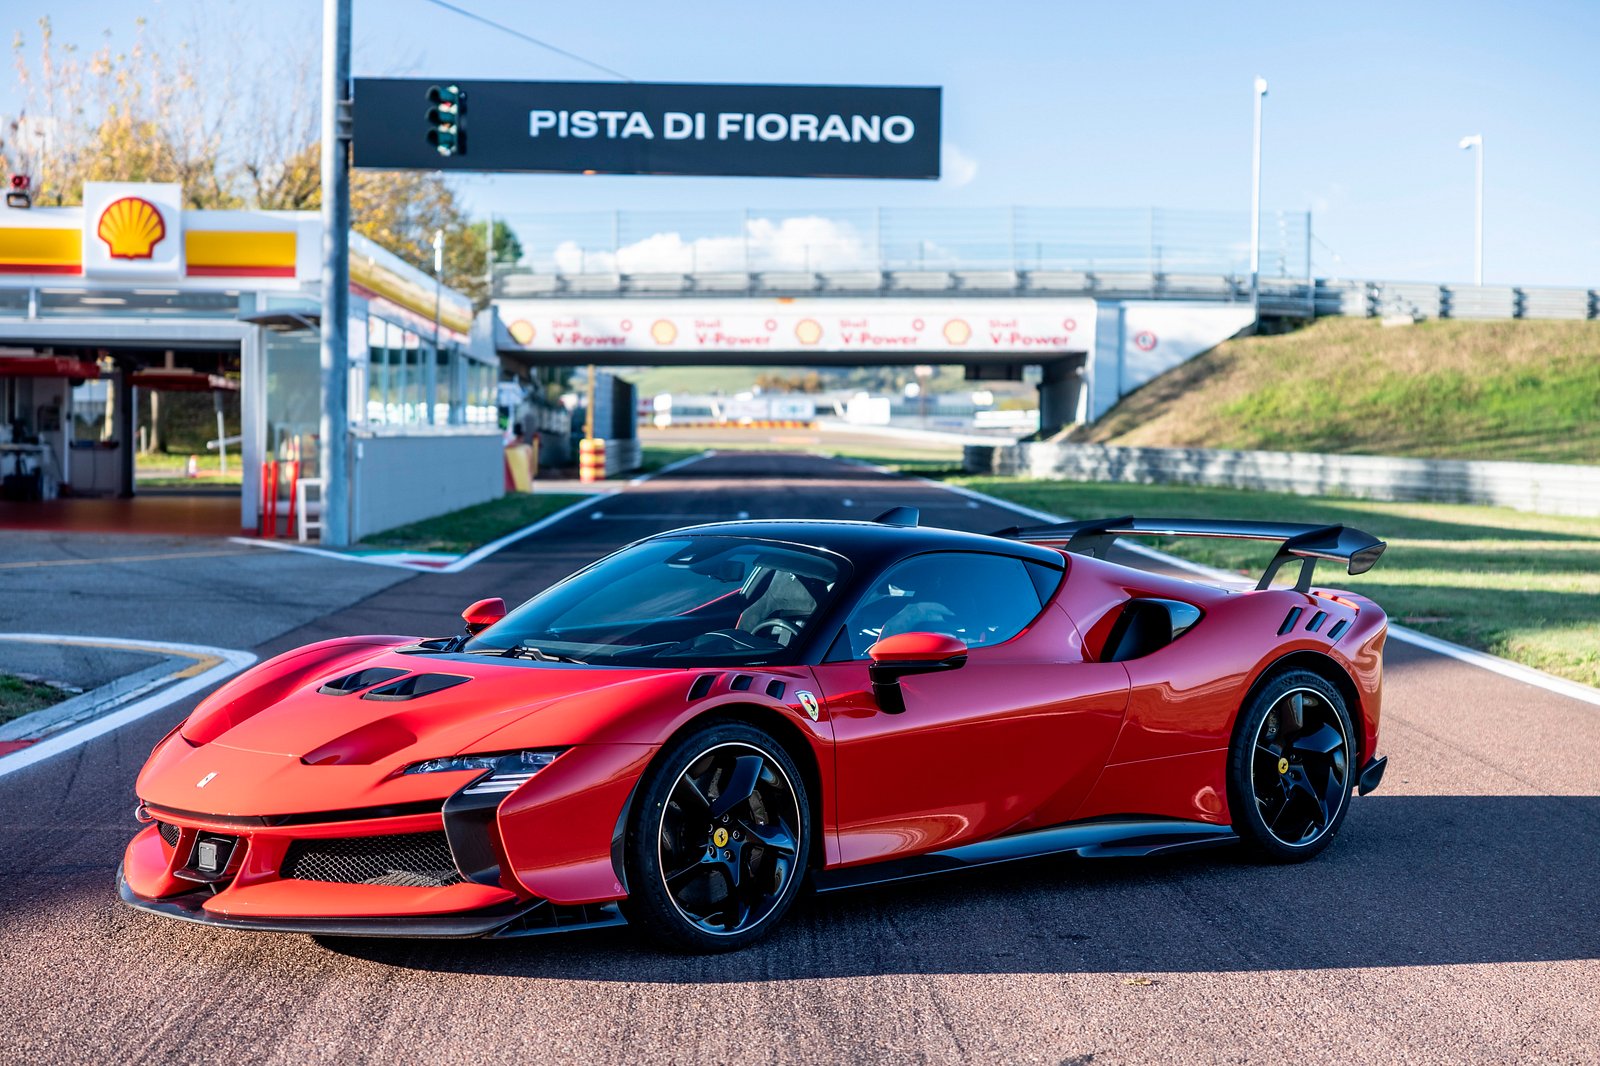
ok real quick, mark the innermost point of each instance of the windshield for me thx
(683, 600)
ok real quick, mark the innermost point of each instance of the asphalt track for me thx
(1456, 918)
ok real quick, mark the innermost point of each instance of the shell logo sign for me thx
(131, 228)
(135, 230)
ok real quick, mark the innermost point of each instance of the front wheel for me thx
(718, 843)
(1289, 768)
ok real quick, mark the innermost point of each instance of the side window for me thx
(983, 599)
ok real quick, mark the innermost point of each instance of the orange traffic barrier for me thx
(592, 459)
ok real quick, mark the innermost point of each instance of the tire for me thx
(1289, 784)
(719, 840)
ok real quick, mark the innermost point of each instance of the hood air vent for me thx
(417, 685)
(343, 686)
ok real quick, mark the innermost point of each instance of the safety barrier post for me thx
(592, 459)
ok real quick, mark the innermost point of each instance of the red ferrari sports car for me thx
(683, 733)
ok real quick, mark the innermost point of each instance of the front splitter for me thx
(510, 920)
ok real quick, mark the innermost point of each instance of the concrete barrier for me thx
(1545, 488)
(397, 480)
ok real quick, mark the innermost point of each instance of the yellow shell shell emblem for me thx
(663, 331)
(956, 331)
(808, 331)
(522, 332)
(131, 228)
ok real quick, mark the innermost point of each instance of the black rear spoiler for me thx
(1357, 550)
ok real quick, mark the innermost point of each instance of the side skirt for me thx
(1090, 840)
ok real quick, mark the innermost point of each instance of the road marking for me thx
(477, 555)
(1471, 656)
(118, 559)
(211, 665)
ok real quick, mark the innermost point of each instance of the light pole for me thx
(1476, 141)
(1255, 201)
(432, 376)
(334, 426)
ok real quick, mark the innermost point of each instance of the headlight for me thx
(508, 771)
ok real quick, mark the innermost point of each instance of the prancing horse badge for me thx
(809, 702)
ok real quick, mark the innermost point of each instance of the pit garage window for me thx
(982, 599)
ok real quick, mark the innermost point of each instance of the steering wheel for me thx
(783, 633)
(737, 637)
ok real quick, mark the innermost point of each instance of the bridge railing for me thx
(887, 240)
(1055, 251)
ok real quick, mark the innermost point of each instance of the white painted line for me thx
(399, 560)
(1483, 660)
(670, 467)
(479, 554)
(230, 663)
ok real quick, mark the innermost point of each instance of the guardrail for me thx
(1545, 488)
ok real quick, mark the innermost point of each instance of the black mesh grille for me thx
(169, 833)
(415, 860)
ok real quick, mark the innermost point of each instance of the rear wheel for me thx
(718, 843)
(1289, 769)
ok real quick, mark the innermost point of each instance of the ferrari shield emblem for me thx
(809, 702)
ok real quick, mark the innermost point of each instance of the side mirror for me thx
(905, 654)
(483, 614)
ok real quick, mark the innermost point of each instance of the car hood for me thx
(283, 739)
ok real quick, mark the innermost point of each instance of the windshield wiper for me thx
(523, 650)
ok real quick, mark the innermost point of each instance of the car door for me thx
(1010, 740)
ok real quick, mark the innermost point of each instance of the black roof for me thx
(868, 544)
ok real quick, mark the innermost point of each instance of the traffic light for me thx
(444, 119)
(18, 195)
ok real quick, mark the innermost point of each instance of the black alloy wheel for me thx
(1289, 773)
(719, 843)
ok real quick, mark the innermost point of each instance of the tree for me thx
(233, 133)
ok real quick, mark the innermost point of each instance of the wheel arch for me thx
(776, 725)
(1325, 667)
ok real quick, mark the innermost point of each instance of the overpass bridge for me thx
(1100, 300)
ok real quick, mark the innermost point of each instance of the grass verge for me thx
(19, 697)
(1522, 586)
(1514, 390)
(471, 527)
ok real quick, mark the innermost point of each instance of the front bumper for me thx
(526, 918)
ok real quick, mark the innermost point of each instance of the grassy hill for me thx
(1461, 390)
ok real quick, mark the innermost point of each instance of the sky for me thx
(1083, 105)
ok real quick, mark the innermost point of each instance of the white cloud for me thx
(806, 242)
(955, 166)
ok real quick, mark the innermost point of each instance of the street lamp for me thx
(1476, 141)
(1255, 201)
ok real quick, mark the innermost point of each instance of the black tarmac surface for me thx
(1456, 918)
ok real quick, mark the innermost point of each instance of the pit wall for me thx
(1544, 488)
(396, 480)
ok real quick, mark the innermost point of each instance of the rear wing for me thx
(1357, 550)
